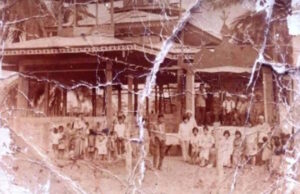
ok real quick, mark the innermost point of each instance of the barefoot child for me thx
(101, 143)
(195, 142)
(237, 149)
(111, 145)
(55, 140)
(267, 152)
(206, 143)
(61, 142)
(225, 150)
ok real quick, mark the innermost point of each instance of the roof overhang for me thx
(90, 44)
(227, 68)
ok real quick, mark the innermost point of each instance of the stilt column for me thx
(22, 95)
(190, 100)
(108, 96)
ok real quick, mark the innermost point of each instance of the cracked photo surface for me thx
(150, 96)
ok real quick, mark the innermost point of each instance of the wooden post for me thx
(60, 17)
(130, 92)
(97, 14)
(268, 94)
(109, 112)
(136, 85)
(120, 98)
(179, 96)
(147, 106)
(75, 16)
(65, 102)
(94, 101)
(112, 23)
(155, 101)
(161, 90)
(190, 100)
(22, 95)
(46, 103)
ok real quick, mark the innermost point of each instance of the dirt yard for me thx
(39, 174)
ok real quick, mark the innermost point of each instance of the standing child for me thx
(276, 158)
(111, 145)
(267, 152)
(184, 133)
(206, 143)
(101, 143)
(195, 142)
(225, 150)
(61, 143)
(238, 149)
(120, 129)
(91, 148)
(146, 137)
(55, 141)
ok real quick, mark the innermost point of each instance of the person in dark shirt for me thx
(159, 138)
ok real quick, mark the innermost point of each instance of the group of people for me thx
(200, 145)
(257, 145)
(223, 107)
(79, 140)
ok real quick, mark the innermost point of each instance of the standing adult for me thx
(159, 138)
(241, 107)
(201, 97)
(263, 129)
(120, 129)
(217, 107)
(79, 126)
(228, 109)
(184, 133)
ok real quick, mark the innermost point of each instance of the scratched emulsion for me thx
(93, 91)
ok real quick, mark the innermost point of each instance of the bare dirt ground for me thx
(39, 174)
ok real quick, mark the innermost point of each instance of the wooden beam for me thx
(135, 96)
(120, 98)
(268, 93)
(64, 61)
(109, 107)
(60, 18)
(94, 101)
(46, 103)
(112, 23)
(190, 98)
(22, 94)
(179, 95)
(130, 98)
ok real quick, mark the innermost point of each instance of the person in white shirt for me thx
(55, 137)
(225, 150)
(184, 133)
(228, 106)
(120, 129)
(263, 130)
(206, 143)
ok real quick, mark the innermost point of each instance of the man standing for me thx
(201, 97)
(242, 107)
(228, 109)
(263, 130)
(159, 138)
(185, 132)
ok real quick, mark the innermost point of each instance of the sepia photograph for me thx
(150, 96)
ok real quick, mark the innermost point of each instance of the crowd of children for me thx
(199, 145)
(211, 147)
(79, 140)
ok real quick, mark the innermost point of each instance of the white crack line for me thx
(151, 80)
